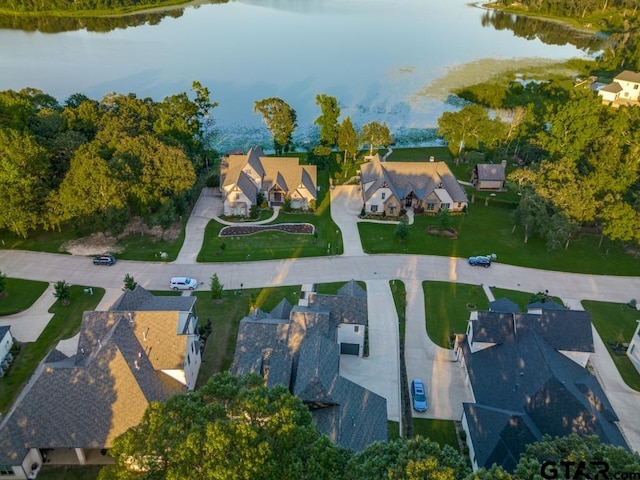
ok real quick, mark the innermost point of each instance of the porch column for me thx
(81, 457)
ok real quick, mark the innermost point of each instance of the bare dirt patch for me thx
(101, 243)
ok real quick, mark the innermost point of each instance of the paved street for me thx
(379, 372)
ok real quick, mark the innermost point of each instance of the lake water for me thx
(385, 60)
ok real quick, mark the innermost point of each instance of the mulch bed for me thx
(296, 228)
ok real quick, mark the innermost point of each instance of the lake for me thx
(385, 60)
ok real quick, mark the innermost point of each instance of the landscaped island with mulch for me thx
(295, 228)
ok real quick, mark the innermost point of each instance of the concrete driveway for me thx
(346, 203)
(443, 377)
(380, 371)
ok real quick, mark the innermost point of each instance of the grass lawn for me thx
(400, 300)
(441, 431)
(488, 230)
(521, 298)
(64, 324)
(275, 245)
(146, 248)
(616, 322)
(65, 472)
(393, 429)
(446, 308)
(225, 317)
(333, 287)
(21, 294)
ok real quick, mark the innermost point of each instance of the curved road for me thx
(379, 372)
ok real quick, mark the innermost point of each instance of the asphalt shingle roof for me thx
(403, 178)
(525, 388)
(301, 353)
(504, 305)
(490, 171)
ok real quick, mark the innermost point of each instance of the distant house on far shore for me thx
(624, 90)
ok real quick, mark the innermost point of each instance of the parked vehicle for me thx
(419, 396)
(480, 261)
(104, 260)
(183, 283)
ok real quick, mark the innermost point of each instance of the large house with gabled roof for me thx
(144, 349)
(299, 347)
(389, 187)
(528, 378)
(244, 176)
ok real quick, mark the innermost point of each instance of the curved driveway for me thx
(378, 372)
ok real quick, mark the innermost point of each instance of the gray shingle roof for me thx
(568, 330)
(490, 171)
(352, 289)
(403, 178)
(526, 377)
(301, 353)
(141, 300)
(86, 400)
(493, 327)
(504, 305)
(549, 305)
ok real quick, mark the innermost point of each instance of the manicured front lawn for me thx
(64, 324)
(616, 323)
(333, 287)
(21, 294)
(446, 308)
(272, 245)
(399, 294)
(225, 317)
(441, 431)
(487, 230)
(66, 472)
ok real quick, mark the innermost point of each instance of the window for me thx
(383, 195)
(6, 470)
(444, 206)
(237, 196)
(188, 360)
(374, 208)
(356, 329)
(635, 87)
(431, 207)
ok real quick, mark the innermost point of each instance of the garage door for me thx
(349, 348)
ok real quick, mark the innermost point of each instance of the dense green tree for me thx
(402, 459)
(129, 282)
(23, 173)
(469, 128)
(375, 135)
(62, 291)
(3, 282)
(153, 171)
(575, 448)
(531, 213)
(348, 139)
(280, 119)
(493, 473)
(233, 428)
(328, 119)
(216, 287)
(90, 187)
(444, 219)
(402, 230)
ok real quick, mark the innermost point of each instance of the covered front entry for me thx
(276, 196)
(350, 349)
(408, 200)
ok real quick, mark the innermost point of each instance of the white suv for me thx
(183, 283)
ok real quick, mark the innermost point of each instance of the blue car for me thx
(418, 395)
(480, 261)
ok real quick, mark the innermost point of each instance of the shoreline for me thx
(106, 14)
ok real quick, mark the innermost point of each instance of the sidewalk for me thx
(27, 325)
